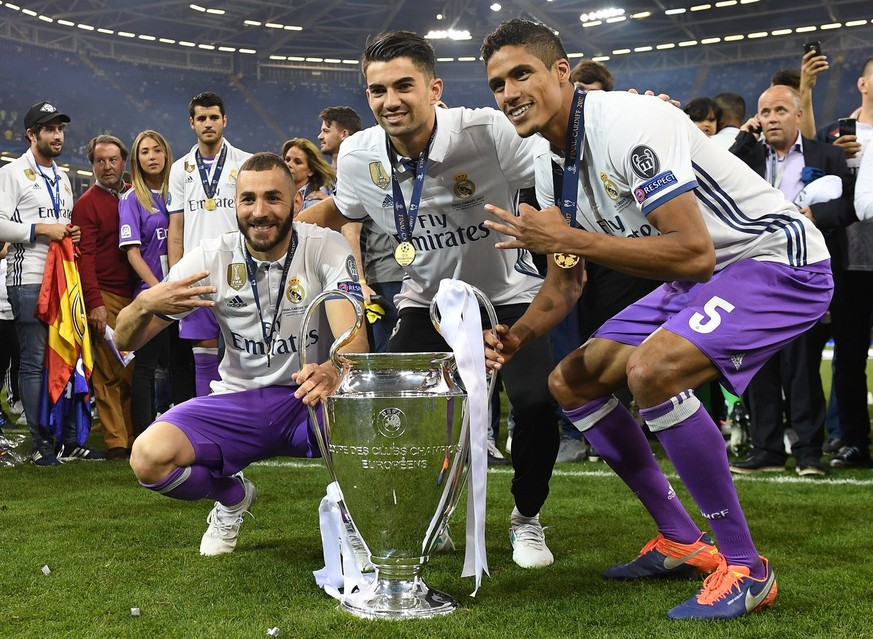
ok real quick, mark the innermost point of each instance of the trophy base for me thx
(398, 599)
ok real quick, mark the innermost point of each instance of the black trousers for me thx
(795, 370)
(851, 311)
(525, 378)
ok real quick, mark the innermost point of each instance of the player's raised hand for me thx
(536, 231)
(177, 296)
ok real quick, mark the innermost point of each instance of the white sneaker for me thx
(223, 531)
(529, 548)
(571, 450)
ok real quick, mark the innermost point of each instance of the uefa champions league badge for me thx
(391, 422)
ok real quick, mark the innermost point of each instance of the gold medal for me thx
(210, 204)
(566, 260)
(404, 254)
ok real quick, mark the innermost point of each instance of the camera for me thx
(812, 46)
(847, 126)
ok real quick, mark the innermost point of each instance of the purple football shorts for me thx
(231, 430)
(200, 324)
(738, 319)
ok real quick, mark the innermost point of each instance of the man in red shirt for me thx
(108, 287)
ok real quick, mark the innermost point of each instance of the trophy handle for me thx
(347, 336)
(492, 317)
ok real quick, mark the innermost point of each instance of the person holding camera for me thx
(853, 291)
(797, 166)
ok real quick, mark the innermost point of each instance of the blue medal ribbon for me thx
(404, 219)
(56, 194)
(210, 186)
(269, 330)
(569, 188)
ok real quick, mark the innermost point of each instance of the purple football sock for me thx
(205, 370)
(620, 441)
(192, 483)
(696, 448)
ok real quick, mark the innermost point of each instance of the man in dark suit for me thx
(790, 162)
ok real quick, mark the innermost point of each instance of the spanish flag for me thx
(68, 356)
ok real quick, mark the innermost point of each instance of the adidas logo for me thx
(236, 302)
(388, 202)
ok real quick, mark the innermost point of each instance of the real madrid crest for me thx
(378, 175)
(232, 176)
(295, 292)
(610, 186)
(464, 187)
(236, 275)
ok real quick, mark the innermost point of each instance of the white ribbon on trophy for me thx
(461, 327)
(342, 572)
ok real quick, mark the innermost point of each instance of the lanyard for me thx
(56, 194)
(252, 270)
(404, 219)
(569, 188)
(210, 186)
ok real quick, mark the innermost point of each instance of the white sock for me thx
(517, 519)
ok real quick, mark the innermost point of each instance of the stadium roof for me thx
(334, 31)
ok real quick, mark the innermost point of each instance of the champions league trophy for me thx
(396, 440)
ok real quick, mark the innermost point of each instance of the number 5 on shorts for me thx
(707, 323)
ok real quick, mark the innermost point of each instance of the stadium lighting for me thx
(216, 12)
(665, 46)
(780, 32)
(725, 3)
(46, 19)
(197, 7)
(601, 15)
(29, 12)
(615, 19)
(84, 173)
(710, 41)
(688, 43)
(249, 51)
(600, 58)
(185, 43)
(252, 23)
(642, 49)
(592, 24)
(126, 34)
(832, 25)
(757, 34)
(450, 34)
(85, 27)
(641, 15)
(66, 23)
(467, 59)
(701, 7)
(856, 23)
(674, 12)
(150, 38)
(105, 31)
(805, 29)
(621, 51)
(14, 7)
(495, 7)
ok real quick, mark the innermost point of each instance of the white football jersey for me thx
(639, 152)
(476, 158)
(187, 197)
(321, 261)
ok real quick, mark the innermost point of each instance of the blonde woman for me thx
(142, 234)
(313, 176)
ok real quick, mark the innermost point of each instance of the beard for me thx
(265, 245)
(46, 149)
